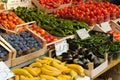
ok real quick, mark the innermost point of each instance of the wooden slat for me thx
(110, 65)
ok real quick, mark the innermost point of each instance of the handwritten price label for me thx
(61, 47)
(15, 3)
(5, 72)
(105, 26)
(83, 33)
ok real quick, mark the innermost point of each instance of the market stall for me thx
(58, 39)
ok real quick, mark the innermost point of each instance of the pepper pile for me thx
(52, 24)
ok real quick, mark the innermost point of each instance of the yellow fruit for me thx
(47, 77)
(63, 63)
(65, 77)
(43, 61)
(42, 79)
(62, 68)
(51, 68)
(31, 71)
(51, 59)
(74, 74)
(19, 71)
(60, 78)
(77, 68)
(36, 78)
(37, 70)
(36, 64)
(24, 78)
(50, 72)
(16, 77)
(11, 79)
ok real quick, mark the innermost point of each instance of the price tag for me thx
(5, 72)
(105, 26)
(61, 47)
(16, 3)
(83, 33)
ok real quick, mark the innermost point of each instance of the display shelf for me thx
(110, 65)
(27, 62)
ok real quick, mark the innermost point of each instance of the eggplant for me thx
(65, 54)
(118, 22)
(73, 53)
(85, 61)
(77, 61)
(89, 56)
(67, 59)
(96, 62)
(81, 51)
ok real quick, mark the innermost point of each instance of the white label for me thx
(61, 47)
(83, 33)
(105, 26)
(5, 72)
(16, 3)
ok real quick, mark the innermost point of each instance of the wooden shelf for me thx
(110, 65)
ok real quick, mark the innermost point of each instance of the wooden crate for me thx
(38, 5)
(30, 56)
(17, 27)
(10, 53)
(18, 60)
(91, 72)
(115, 26)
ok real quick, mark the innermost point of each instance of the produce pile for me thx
(90, 12)
(53, 25)
(24, 42)
(9, 20)
(49, 38)
(52, 4)
(3, 54)
(92, 49)
(48, 69)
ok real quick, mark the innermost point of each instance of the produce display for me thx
(48, 69)
(55, 26)
(81, 56)
(65, 17)
(3, 54)
(9, 20)
(88, 50)
(52, 3)
(49, 38)
(90, 12)
(24, 42)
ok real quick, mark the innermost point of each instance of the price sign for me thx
(61, 47)
(5, 72)
(105, 26)
(83, 33)
(16, 3)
